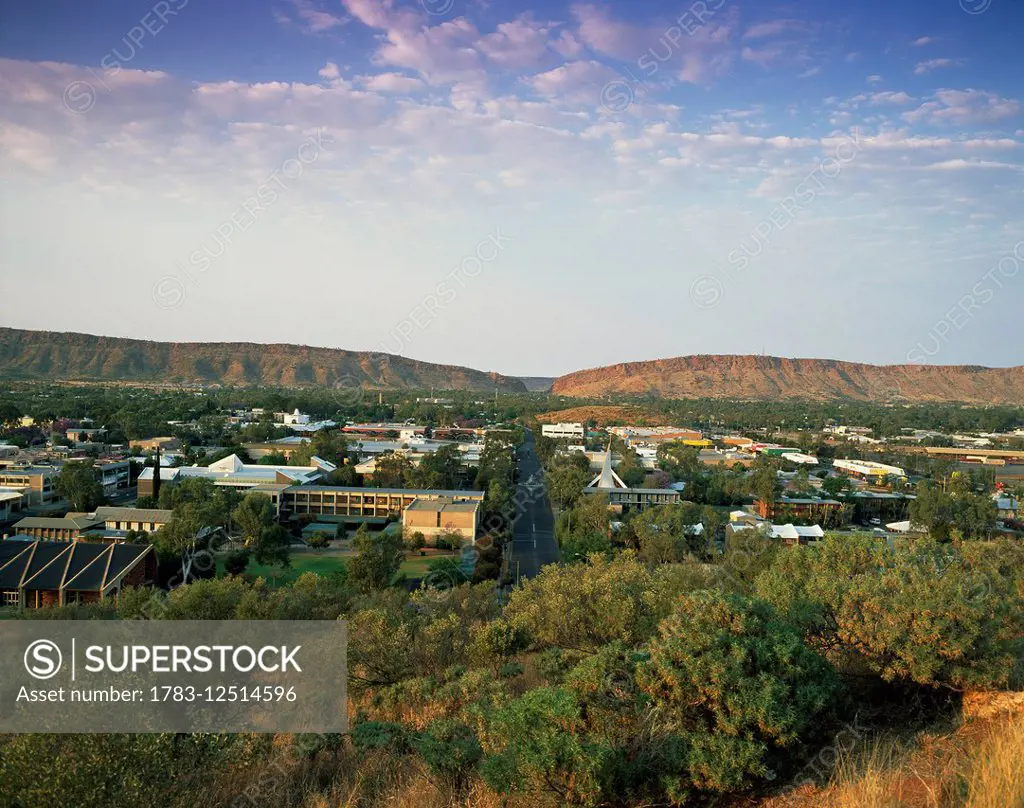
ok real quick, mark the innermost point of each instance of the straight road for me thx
(533, 543)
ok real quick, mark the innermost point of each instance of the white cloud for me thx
(922, 41)
(391, 83)
(960, 107)
(934, 64)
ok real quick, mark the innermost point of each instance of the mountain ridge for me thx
(74, 356)
(755, 377)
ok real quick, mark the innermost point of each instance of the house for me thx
(792, 535)
(63, 529)
(43, 573)
(432, 517)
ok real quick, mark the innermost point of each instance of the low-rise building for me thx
(146, 519)
(868, 470)
(562, 431)
(231, 471)
(35, 482)
(58, 529)
(12, 500)
(372, 505)
(796, 507)
(43, 573)
(152, 444)
(433, 517)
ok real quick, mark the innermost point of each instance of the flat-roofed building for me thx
(433, 517)
(868, 469)
(232, 472)
(12, 500)
(361, 504)
(152, 444)
(799, 507)
(35, 482)
(563, 431)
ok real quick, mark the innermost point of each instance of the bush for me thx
(450, 750)
(380, 735)
(318, 541)
(236, 562)
(937, 615)
(736, 685)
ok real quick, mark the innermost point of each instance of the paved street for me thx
(534, 543)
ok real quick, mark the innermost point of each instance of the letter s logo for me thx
(43, 659)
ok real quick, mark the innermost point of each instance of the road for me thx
(533, 543)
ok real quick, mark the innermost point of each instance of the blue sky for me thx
(531, 189)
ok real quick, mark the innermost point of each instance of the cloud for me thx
(959, 107)
(922, 41)
(777, 28)
(875, 79)
(313, 19)
(330, 71)
(934, 64)
(694, 54)
(391, 83)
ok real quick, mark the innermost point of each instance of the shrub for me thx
(450, 750)
(236, 561)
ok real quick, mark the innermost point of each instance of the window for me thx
(11, 598)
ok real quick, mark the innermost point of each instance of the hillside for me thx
(53, 355)
(770, 378)
(538, 384)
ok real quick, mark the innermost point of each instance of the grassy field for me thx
(324, 562)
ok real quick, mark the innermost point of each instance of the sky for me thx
(531, 188)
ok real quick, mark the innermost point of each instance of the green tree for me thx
(253, 515)
(272, 546)
(77, 483)
(378, 557)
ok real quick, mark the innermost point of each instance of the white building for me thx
(563, 431)
(868, 469)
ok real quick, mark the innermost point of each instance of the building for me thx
(796, 508)
(114, 475)
(231, 471)
(152, 444)
(35, 482)
(656, 435)
(563, 431)
(868, 470)
(792, 535)
(800, 459)
(433, 517)
(285, 447)
(145, 519)
(58, 529)
(401, 431)
(12, 500)
(1008, 507)
(370, 505)
(42, 573)
(292, 418)
(622, 498)
(81, 434)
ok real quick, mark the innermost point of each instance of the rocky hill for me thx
(769, 377)
(83, 357)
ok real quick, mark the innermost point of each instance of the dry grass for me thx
(603, 415)
(981, 765)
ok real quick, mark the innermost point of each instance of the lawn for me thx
(324, 562)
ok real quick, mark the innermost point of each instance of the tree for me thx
(319, 540)
(77, 483)
(253, 515)
(764, 482)
(566, 483)
(378, 557)
(390, 470)
(954, 513)
(272, 546)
